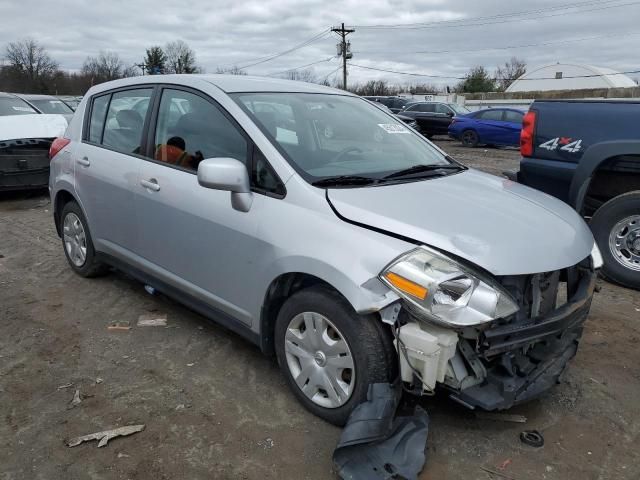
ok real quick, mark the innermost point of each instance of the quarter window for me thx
(125, 120)
(190, 129)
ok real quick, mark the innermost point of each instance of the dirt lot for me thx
(215, 407)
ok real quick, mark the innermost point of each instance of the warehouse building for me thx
(564, 76)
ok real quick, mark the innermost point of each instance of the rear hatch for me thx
(24, 149)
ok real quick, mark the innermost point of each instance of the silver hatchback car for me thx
(327, 232)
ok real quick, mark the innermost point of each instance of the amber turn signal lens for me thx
(407, 286)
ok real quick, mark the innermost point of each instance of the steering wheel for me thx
(344, 152)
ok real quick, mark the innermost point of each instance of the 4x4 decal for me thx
(566, 144)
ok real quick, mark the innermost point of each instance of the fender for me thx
(594, 156)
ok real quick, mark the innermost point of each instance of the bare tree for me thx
(30, 61)
(235, 70)
(106, 66)
(510, 71)
(180, 58)
(306, 75)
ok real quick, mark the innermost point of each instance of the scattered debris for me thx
(76, 399)
(504, 417)
(504, 464)
(499, 474)
(99, 380)
(66, 385)
(267, 443)
(532, 437)
(123, 455)
(150, 290)
(180, 407)
(119, 326)
(375, 445)
(152, 320)
(105, 436)
(190, 364)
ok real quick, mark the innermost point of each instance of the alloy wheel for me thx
(75, 239)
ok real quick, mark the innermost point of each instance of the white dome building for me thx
(564, 76)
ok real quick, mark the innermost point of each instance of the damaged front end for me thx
(490, 363)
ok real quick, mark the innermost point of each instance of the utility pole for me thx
(344, 48)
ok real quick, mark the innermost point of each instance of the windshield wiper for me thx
(344, 180)
(435, 169)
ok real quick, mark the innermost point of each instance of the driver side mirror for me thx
(230, 175)
(450, 113)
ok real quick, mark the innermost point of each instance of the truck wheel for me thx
(329, 354)
(77, 243)
(469, 138)
(616, 228)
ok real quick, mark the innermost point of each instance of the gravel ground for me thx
(215, 407)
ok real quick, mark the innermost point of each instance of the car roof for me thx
(226, 83)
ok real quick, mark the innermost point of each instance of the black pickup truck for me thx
(587, 153)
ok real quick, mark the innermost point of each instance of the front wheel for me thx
(616, 228)
(329, 354)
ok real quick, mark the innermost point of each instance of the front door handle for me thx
(84, 161)
(151, 184)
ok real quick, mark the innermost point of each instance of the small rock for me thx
(180, 407)
(267, 443)
(99, 380)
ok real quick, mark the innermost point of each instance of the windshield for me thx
(459, 109)
(326, 135)
(14, 106)
(46, 105)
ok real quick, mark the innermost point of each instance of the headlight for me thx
(596, 257)
(445, 291)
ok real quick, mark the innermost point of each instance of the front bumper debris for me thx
(522, 360)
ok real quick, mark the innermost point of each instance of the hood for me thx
(13, 127)
(499, 225)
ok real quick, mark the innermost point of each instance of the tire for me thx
(369, 348)
(612, 217)
(469, 138)
(74, 227)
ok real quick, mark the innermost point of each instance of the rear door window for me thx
(98, 112)
(125, 120)
(495, 115)
(513, 117)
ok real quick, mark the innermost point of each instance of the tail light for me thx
(526, 134)
(57, 145)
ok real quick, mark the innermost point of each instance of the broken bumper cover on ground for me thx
(524, 360)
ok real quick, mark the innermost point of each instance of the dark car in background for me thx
(494, 126)
(433, 118)
(587, 153)
(395, 104)
(407, 120)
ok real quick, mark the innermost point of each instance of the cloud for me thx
(228, 32)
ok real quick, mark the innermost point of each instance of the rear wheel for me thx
(329, 354)
(77, 243)
(469, 138)
(616, 228)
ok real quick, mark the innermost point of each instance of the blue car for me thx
(494, 126)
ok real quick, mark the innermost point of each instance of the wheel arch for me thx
(594, 161)
(63, 196)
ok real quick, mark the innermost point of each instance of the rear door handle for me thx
(151, 184)
(84, 161)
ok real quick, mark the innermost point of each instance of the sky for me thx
(456, 35)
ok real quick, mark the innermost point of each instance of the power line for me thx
(345, 50)
(267, 58)
(464, 78)
(300, 67)
(497, 19)
(559, 42)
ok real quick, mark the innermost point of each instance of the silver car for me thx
(358, 256)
